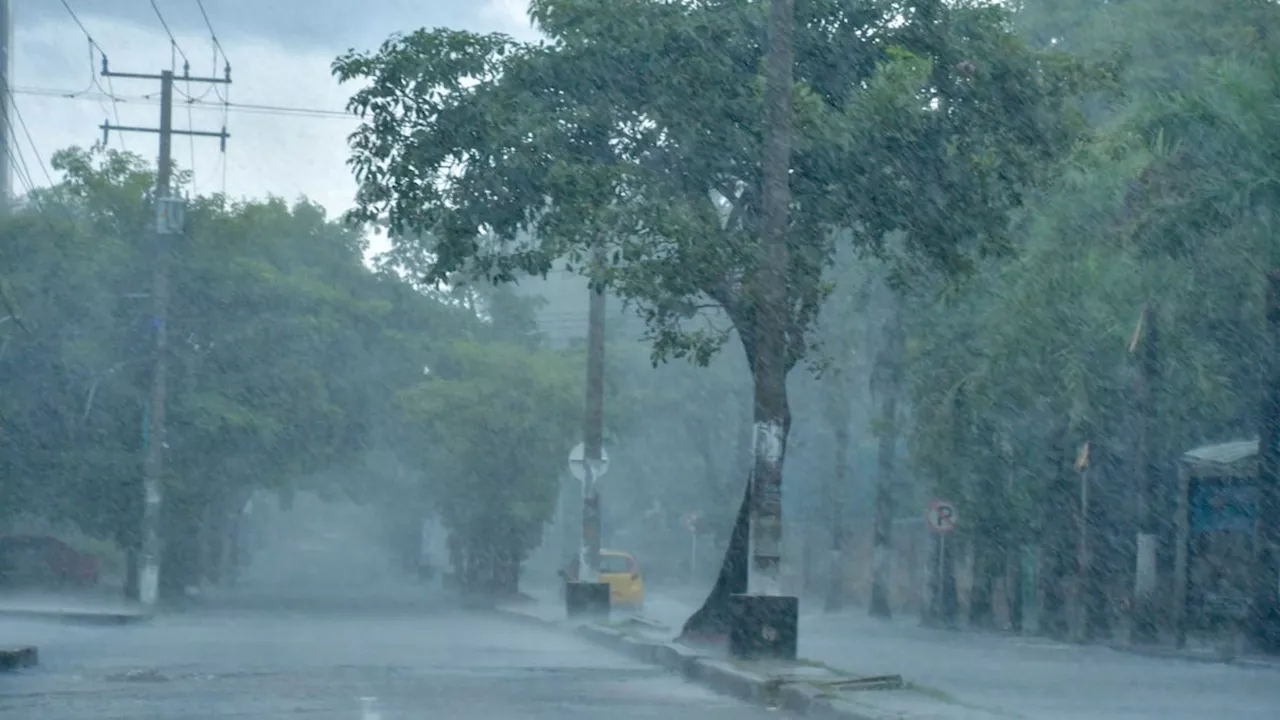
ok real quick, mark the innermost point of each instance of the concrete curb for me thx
(18, 658)
(1168, 653)
(78, 617)
(795, 697)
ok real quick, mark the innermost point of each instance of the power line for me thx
(226, 100)
(217, 51)
(83, 29)
(172, 40)
(191, 143)
(250, 108)
(217, 46)
(30, 141)
(109, 92)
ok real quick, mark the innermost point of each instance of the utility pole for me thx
(1264, 610)
(1146, 349)
(168, 219)
(6, 97)
(593, 425)
(587, 595)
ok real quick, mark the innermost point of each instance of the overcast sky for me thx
(280, 53)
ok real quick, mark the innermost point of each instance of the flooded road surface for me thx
(251, 665)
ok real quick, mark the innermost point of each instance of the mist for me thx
(930, 340)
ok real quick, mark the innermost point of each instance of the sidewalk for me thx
(804, 689)
(81, 608)
(1023, 677)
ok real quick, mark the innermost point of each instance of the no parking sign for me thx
(942, 517)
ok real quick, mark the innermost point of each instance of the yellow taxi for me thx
(622, 573)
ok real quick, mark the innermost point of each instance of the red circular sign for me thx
(942, 516)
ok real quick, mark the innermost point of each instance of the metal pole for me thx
(153, 468)
(693, 558)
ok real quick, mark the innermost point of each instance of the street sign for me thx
(578, 467)
(942, 517)
(170, 216)
(690, 521)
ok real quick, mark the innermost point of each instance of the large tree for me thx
(640, 126)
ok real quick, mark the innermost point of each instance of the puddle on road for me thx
(139, 676)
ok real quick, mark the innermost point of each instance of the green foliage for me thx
(494, 429)
(638, 126)
(1173, 205)
(286, 351)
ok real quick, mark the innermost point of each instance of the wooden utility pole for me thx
(7, 149)
(593, 424)
(168, 224)
(769, 304)
(1144, 346)
(1084, 557)
(1265, 605)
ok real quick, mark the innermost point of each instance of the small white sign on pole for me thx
(577, 465)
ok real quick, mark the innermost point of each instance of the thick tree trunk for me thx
(1059, 533)
(1013, 585)
(711, 621)
(882, 540)
(948, 547)
(132, 568)
(990, 531)
(889, 381)
(212, 535)
(982, 595)
(834, 600)
(507, 580)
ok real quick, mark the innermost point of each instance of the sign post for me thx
(941, 518)
(691, 523)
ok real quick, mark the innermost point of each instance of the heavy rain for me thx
(663, 358)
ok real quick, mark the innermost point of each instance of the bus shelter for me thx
(1216, 560)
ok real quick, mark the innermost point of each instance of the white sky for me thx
(268, 154)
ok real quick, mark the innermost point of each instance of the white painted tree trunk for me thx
(765, 574)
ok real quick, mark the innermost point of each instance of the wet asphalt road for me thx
(246, 664)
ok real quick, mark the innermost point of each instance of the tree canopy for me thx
(288, 354)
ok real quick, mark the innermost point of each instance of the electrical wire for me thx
(30, 141)
(225, 100)
(172, 40)
(226, 115)
(150, 99)
(191, 145)
(109, 92)
(217, 46)
(76, 18)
